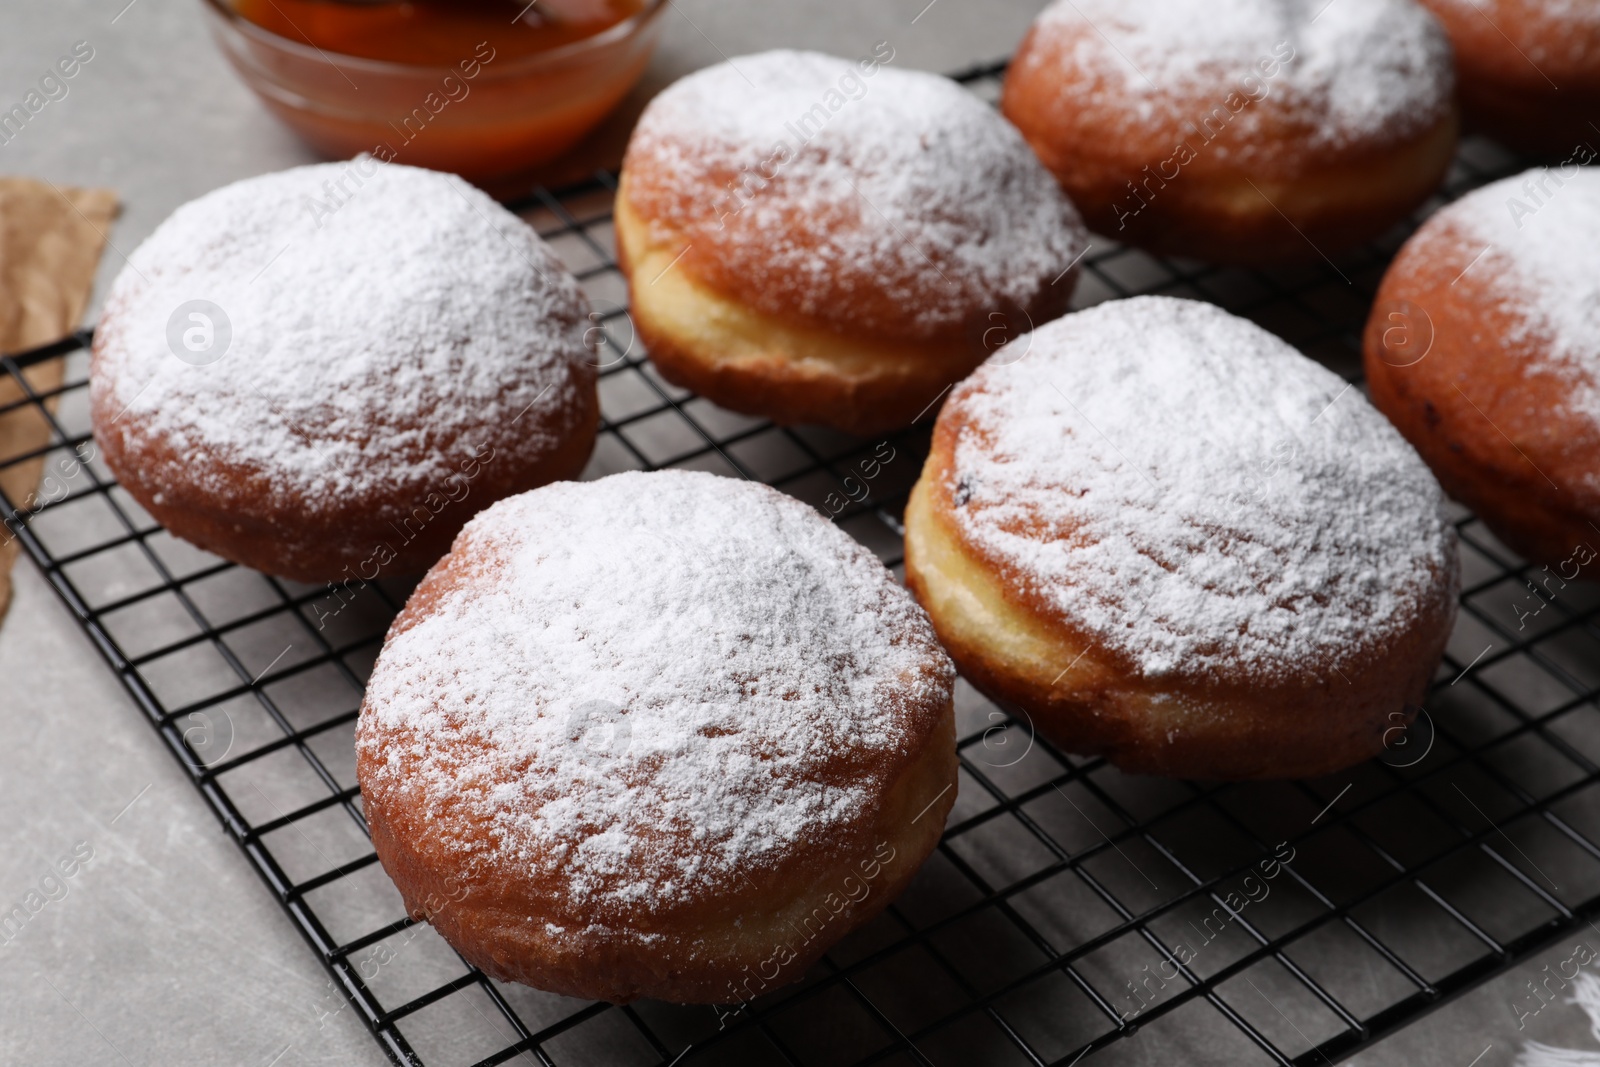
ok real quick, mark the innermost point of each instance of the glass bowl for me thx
(482, 118)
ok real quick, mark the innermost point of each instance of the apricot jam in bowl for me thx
(485, 88)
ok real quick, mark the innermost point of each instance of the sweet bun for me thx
(1484, 349)
(661, 735)
(815, 240)
(1528, 70)
(1171, 539)
(322, 373)
(1243, 131)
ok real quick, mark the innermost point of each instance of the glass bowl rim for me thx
(613, 34)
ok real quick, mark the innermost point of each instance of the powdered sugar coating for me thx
(1540, 243)
(829, 188)
(1553, 44)
(1584, 12)
(649, 684)
(1361, 69)
(380, 322)
(1196, 496)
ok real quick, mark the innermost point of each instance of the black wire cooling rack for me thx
(1069, 907)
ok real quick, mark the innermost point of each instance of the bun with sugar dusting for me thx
(323, 373)
(1529, 70)
(661, 735)
(820, 241)
(1483, 347)
(1240, 131)
(1173, 540)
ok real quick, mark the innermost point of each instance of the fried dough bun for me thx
(662, 735)
(1528, 71)
(1171, 539)
(323, 373)
(1249, 132)
(1483, 348)
(819, 241)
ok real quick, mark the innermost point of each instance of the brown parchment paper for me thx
(51, 238)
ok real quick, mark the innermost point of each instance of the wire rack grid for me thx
(1070, 914)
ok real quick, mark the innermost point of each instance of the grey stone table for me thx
(161, 947)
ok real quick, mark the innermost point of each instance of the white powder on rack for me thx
(829, 184)
(1197, 495)
(651, 683)
(1361, 68)
(1538, 235)
(371, 347)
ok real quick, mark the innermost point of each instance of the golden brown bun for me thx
(1252, 184)
(788, 371)
(328, 393)
(1527, 71)
(310, 536)
(1451, 359)
(882, 259)
(1017, 599)
(1085, 701)
(831, 803)
(721, 950)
